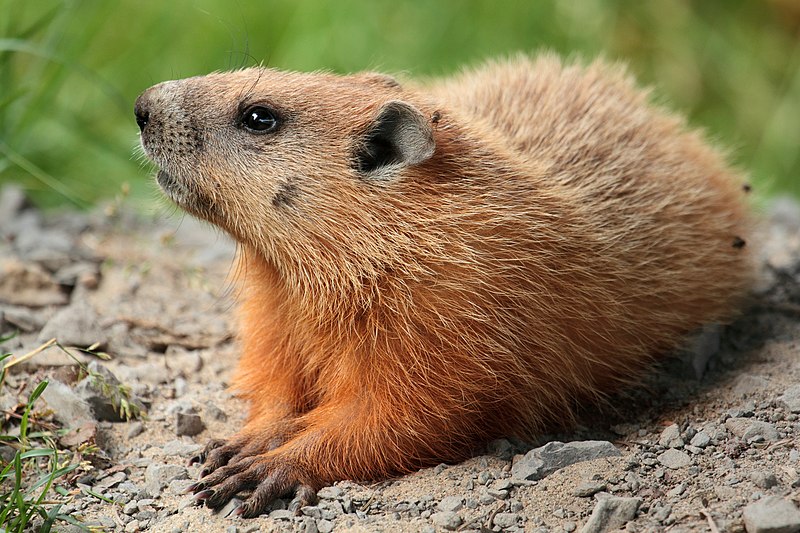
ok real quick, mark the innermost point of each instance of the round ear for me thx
(399, 136)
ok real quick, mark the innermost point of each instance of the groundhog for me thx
(429, 266)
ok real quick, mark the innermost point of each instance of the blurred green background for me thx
(70, 70)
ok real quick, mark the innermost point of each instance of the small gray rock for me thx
(674, 459)
(446, 520)
(21, 318)
(451, 503)
(676, 491)
(763, 480)
(281, 514)
(671, 437)
(791, 398)
(588, 489)
(183, 449)
(497, 494)
(157, 476)
(324, 526)
(772, 515)
(68, 407)
(311, 510)
(101, 390)
(75, 325)
(309, 525)
(29, 285)
(506, 520)
(747, 429)
(189, 424)
(611, 513)
(135, 429)
(330, 493)
(545, 460)
(700, 440)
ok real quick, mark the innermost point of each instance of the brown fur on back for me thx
(562, 234)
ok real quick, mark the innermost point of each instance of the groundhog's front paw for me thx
(218, 453)
(268, 477)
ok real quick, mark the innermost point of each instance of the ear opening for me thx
(400, 136)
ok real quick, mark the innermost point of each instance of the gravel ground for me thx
(708, 443)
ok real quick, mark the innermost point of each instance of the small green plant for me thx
(37, 463)
(20, 499)
(117, 393)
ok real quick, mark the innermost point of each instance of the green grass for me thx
(26, 480)
(70, 70)
(39, 467)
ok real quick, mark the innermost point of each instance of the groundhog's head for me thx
(288, 162)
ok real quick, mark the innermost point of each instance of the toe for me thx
(201, 457)
(229, 488)
(304, 495)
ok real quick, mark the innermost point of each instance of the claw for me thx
(304, 495)
(204, 495)
(194, 487)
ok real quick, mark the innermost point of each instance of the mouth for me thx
(179, 191)
(172, 187)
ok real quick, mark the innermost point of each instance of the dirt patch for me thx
(695, 454)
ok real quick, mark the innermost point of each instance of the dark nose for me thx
(142, 111)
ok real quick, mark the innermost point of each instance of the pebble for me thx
(748, 429)
(446, 520)
(791, 399)
(611, 513)
(671, 437)
(674, 459)
(135, 429)
(324, 526)
(772, 515)
(188, 424)
(101, 391)
(309, 525)
(157, 476)
(451, 503)
(553, 456)
(68, 407)
(497, 494)
(22, 319)
(763, 480)
(700, 440)
(180, 448)
(589, 488)
(330, 493)
(28, 285)
(75, 325)
(506, 520)
(677, 490)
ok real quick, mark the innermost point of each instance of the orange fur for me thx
(562, 233)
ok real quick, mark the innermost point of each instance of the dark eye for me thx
(259, 119)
